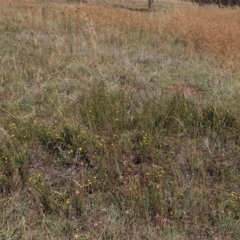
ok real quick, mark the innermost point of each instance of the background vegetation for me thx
(219, 2)
(119, 124)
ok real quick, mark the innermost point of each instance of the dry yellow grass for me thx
(213, 30)
(208, 29)
(15, 1)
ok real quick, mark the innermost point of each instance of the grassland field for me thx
(117, 122)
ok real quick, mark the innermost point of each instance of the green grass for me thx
(112, 133)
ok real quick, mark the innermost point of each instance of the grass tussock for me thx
(114, 125)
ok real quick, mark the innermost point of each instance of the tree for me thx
(220, 3)
(150, 4)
